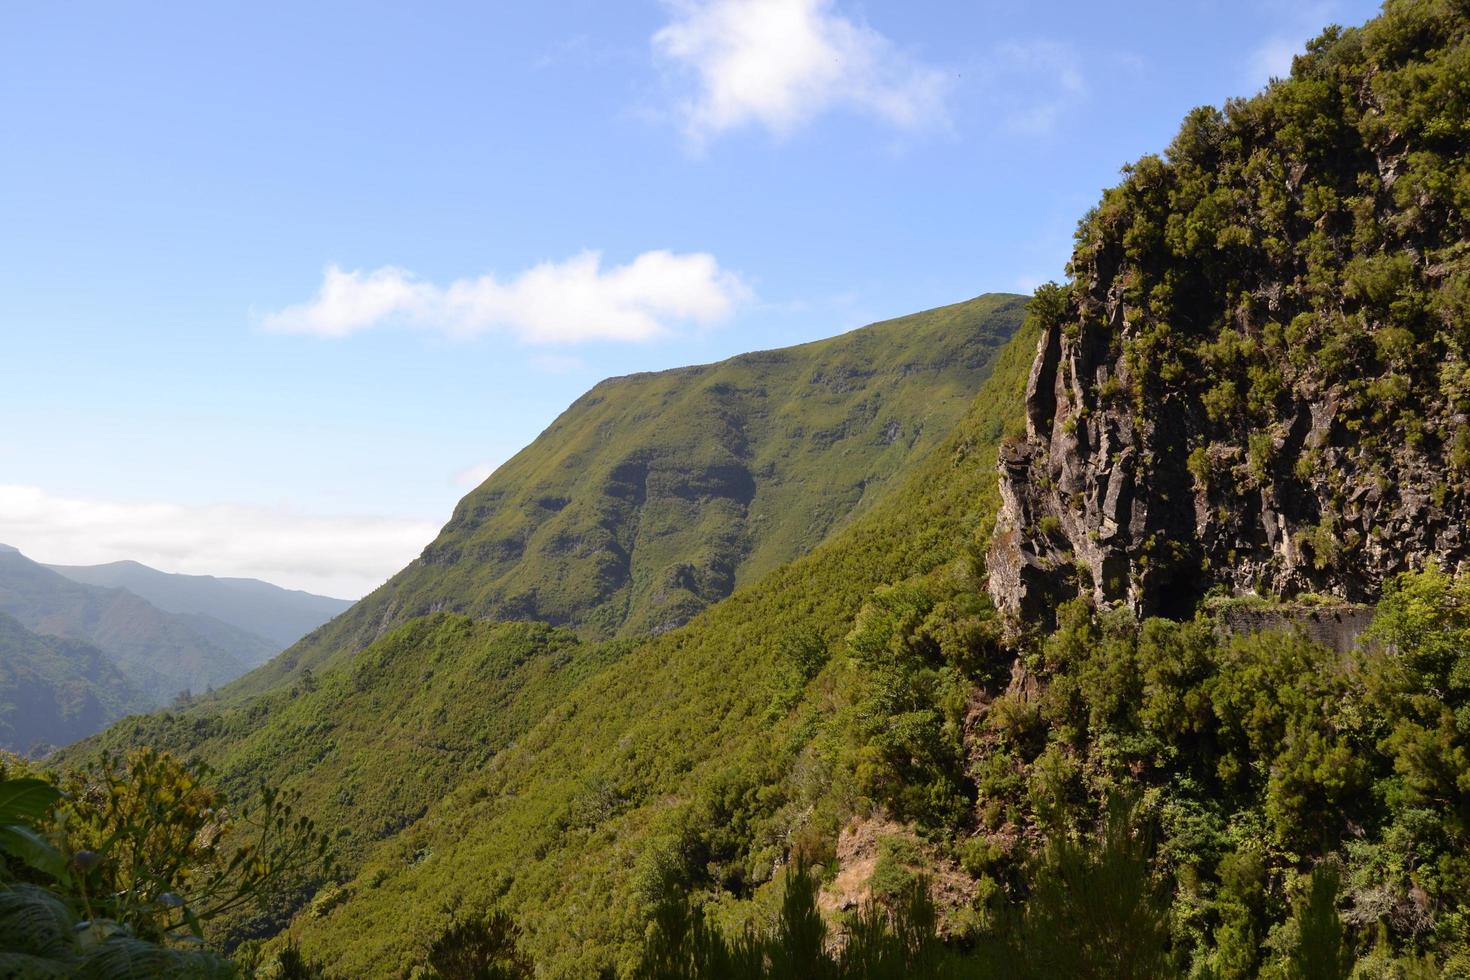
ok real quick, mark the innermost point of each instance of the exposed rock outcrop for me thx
(1257, 377)
(1099, 498)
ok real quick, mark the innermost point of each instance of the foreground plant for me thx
(119, 871)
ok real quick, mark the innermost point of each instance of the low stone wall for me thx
(1337, 627)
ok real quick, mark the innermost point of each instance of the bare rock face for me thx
(1086, 493)
(1258, 378)
(1154, 507)
(1339, 627)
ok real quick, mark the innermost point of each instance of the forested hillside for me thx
(55, 691)
(655, 495)
(984, 727)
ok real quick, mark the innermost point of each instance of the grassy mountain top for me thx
(655, 495)
(281, 616)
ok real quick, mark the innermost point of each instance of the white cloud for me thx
(340, 556)
(1293, 24)
(781, 63)
(551, 303)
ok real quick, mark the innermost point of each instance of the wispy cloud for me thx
(1294, 25)
(781, 63)
(340, 556)
(552, 303)
(472, 476)
(1272, 59)
(558, 364)
(1034, 84)
(581, 51)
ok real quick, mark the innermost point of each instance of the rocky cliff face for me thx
(1257, 377)
(1101, 502)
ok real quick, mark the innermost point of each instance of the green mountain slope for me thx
(372, 746)
(160, 653)
(55, 691)
(281, 616)
(548, 770)
(655, 495)
(704, 731)
(1286, 294)
(1284, 808)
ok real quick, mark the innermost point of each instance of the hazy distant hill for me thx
(282, 616)
(55, 691)
(81, 646)
(162, 653)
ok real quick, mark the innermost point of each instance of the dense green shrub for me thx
(485, 947)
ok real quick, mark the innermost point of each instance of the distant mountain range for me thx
(281, 616)
(82, 646)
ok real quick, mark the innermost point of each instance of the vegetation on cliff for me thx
(1259, 372)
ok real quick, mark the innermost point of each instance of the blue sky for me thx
(280, 281)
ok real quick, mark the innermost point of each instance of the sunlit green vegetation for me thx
(118, 871)
(642, 739)
(655, 495)
(1288, 285)
(1110, 797)
(370, 748)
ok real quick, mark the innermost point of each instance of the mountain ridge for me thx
(278, 614)
(165, 653)
(54, 691)
(657, 493)
(78, 655)
(634, 727)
